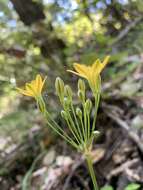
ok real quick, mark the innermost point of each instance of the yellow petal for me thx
(24, 92)
(38, 83)
(106, 60)
(81, 75)
(95, 64)
(33, 84)
(90, 76)
(29, 88)
(81, 69)
(42, 84)
(96, 67)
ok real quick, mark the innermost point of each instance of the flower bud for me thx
(66, 102)
(88, 105)
(59, 85)
(96, 134)
(68, 92)
(64, 114)
(79, 112)
(81, 85)
(81, 96)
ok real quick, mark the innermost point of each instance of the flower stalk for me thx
(91, 171)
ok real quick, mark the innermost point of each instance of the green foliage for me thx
(133, 186)
(107, 187)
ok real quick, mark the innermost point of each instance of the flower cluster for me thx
(77, 118)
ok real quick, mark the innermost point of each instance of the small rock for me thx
(137, 122)
(49, 158)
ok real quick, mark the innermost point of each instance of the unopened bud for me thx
(64, 114)
(68, 91)
(66, 102)
(88, 105)
(79, 112)
(96, 134)
(81, 85)
(81, 96)
(59, 85)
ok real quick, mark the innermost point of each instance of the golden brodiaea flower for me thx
(34, 88)
(91, 73)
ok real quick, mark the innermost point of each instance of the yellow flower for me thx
(34, 88)
(91, 73)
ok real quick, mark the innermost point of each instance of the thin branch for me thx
(124, 125)
(122, 168)
(74, 168)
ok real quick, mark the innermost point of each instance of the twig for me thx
(83, 182)
(122, 168)
(74, 168)
(124, 125)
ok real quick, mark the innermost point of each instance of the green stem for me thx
(56, 128)
(78, 127)
(97, 100)
(85, 124)
(83, 129)
(91, 171)
(72, 131)
(72, 125)
(88, 124)
(64, 136)
(52, 124)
